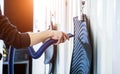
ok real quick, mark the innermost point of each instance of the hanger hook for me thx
(83, 2)
(82, 9)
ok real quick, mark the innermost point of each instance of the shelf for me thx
(18, 67)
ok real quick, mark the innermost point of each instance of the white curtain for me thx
(116, 39)
(102, 15)
(38, 66)
(42, 10)
(105, 25)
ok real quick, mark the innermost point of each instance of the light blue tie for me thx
(82, 53)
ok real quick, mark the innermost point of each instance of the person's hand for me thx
(60, 36)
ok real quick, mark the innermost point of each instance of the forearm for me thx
(39, 37)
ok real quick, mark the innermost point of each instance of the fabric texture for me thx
(11, 36)
(82, 52)
(49, 54)
(50, 58)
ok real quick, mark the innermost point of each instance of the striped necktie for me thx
(82, 53)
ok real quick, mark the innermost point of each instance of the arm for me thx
(42, 36)
(11, 36)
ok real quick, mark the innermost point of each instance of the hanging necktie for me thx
(82, 52)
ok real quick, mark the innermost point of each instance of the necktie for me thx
(82, 53)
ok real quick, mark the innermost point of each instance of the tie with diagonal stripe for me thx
(82, 53)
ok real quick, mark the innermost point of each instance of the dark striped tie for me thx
(82, 53)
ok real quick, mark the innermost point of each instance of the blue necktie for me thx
(82, 53)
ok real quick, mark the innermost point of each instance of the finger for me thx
(63, 37)
(62, 40)
(66, 36)
(57, 42)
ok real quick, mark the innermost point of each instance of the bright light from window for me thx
(2, 6)
(42, 13)
(39, 14)
(41, 21)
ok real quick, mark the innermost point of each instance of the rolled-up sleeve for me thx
(11, 36)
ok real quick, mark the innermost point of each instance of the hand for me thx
(60, 36)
